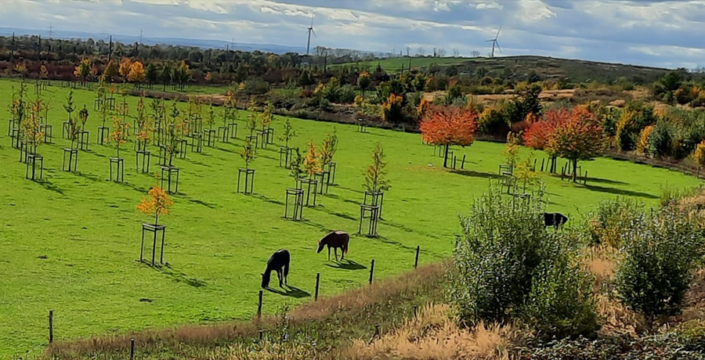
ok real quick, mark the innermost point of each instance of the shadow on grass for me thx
(50, 186)
(606, 181)
(292, 291)
(180, 277)
(353, 190)
(266, 199)
(622, 192)
(476, 174)
(338, 214)
(347, 265)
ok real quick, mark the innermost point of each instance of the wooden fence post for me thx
(132, 349)
(51, 326)
(372, 270)
(416, 262)
(259, 306)
(318, 282)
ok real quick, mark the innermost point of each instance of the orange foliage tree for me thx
(157, 204)
(537, 135)
(578, 138)
(136, 74)
(119, 134)
(449, 126)
(83, 70)
(125, 65)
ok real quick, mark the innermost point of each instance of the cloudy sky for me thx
(666, 33)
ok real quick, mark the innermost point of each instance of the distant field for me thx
(394, 65)
(69, 243)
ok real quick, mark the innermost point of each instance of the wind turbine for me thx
(495, 42)
(310, 30)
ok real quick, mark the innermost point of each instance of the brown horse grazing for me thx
(335, 240)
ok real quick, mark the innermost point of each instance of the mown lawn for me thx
(393, 65)
(70, 242)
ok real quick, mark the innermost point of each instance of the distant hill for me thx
(127, 39)
(519, 67)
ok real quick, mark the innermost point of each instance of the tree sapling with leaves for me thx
(376, 174)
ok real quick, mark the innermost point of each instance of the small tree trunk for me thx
(575, 170)
(445, 157)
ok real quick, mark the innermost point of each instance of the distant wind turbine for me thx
(495, 43)
(310, 31)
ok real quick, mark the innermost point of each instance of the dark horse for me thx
(554, 219)
(279, 261)
(335, 240)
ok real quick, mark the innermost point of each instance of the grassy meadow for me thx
(393, 65)
(70, 243)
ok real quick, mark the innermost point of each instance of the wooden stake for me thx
(51, 326)
(318, 282)
(372, 270)
(416, 262)
(259, 307)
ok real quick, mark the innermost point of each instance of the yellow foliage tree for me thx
(157, 204)
(136, 74)
(311, 163)
(125, 66)
(119, 134)
(643, 146)
(83, 70)
(699, 154)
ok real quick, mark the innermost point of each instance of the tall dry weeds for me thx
(435, 335)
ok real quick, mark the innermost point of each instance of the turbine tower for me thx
(310, 31)
(495, 43)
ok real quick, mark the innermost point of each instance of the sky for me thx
(664, 33)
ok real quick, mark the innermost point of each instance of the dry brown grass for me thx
(435, 335)
(601, 261)
(352, 306)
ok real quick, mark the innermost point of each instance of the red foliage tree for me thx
(578, 138)
(449, 126)
(537, 135)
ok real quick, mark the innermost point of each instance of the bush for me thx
(255, 87)
(509, 266)
(347, 94)
(612, 219)
(660, 254)
(661, 139)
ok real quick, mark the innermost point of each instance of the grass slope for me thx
(518, 67)
(70, 243)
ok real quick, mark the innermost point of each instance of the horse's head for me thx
(321, 244)
(265, 280)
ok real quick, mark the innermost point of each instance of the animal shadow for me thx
(347, 265)
(292, 291)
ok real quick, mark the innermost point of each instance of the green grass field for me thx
(70, 242)
(393, 65)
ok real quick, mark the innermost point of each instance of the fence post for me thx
(51, 326)
(132, 349)
(416, 308)
(372, 270)
(259, 307)
(318, 282)
(416, 262)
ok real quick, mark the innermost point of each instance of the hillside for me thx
(519, 67)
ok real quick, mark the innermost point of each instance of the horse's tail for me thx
(287, 261)
(345, 246)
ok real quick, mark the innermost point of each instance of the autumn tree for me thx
(537, 135)
(376, 173)
(72, 123)
(311, 162)
(329, 147)
(288, 133)
(21, 68)
(642, 147)
(125, 67)
(364, 81)
(248, 153)
(31, 125)
(144, 130)
(210, 119)
(578, 138)
(137, 74)
(267, 116)
(296, 165)
(392, 108)
(83, 70)
(112, 70)
(511, 151)
(119, 134)
(158, 203)
(251, 117)
(448, 126)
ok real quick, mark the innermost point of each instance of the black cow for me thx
(554, 219)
